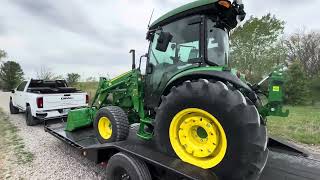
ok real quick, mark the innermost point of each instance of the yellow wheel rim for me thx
(198, 138)
(105, 128)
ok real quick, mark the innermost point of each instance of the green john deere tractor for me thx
(188, 100)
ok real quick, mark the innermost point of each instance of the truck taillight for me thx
(87, 99)
(40, 102)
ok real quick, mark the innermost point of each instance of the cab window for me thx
(183, 47)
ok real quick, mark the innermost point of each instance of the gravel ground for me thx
(52, 158)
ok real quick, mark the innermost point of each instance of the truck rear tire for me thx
(13, 109)
(124, 166)
(111, 124)
(213, 127)
(30, 120)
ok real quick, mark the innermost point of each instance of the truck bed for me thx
(280, 165)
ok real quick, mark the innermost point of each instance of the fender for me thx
(217, 73)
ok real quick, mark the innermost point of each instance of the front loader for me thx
(188, 101)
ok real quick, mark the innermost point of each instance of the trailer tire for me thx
(30, 120)
(13, 109)
(111, 124)
(122, 165)
(233, 118)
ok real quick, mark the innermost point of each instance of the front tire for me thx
(13, 109)
(111, 124)
(233, 142)
(30, 120)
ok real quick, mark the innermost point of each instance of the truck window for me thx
(22, 86)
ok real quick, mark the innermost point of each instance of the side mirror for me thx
(149, 69)
(163, 41)
(12, 91)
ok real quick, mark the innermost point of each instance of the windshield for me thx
(182, 49)
(217, 44)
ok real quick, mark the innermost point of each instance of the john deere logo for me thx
(64, 98)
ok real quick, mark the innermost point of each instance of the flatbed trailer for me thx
(285, 161)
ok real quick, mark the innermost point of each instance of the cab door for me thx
(181, 54)
(19, 97)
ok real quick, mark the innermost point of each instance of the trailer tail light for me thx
(40, 102)
(87, 99)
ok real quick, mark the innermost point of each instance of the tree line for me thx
(11, 74)
(257, 47)
(260, 44)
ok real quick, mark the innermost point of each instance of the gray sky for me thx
(93, 37)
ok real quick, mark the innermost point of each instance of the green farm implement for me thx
(188, 104)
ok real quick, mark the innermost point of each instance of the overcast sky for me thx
(93, 37)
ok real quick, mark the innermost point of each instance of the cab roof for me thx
(185, 10)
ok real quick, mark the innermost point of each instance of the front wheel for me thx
(213, 127)
(111, 124)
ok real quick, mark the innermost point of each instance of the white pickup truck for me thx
(43, 100)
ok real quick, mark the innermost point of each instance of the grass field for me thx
(302, 125)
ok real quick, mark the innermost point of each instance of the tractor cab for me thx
(192, 36)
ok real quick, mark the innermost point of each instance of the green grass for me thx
(11, 143)
(302, 125)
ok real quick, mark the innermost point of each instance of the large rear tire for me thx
(111, 124)
(124, 166)
(13, 109)
(214, 127)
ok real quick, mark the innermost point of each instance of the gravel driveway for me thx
(52, 158)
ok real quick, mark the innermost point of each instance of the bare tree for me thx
(3, 54)
(306, 48)
(45, 73)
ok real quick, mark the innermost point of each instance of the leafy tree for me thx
(256, 47)
(296, 86)
(306, 48)
(11, 74)
(73, 78)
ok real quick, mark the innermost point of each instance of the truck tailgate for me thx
(62, 101)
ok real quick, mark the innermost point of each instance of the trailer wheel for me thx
(213, 127)
(13, 109)
(111, 124)
(30, 120)
(123, 166)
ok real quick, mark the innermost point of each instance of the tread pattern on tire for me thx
(121, 122)
(254, 153)
(140, 166)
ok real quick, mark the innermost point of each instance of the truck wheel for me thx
(213, 127)
(13, 109)
(124, 166)
(111, 124)
(30, 120)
